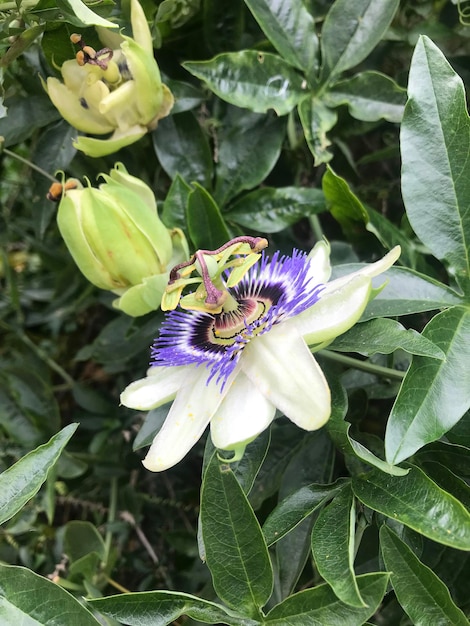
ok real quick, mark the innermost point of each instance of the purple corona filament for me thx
(272, 291)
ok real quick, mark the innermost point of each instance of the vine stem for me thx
(33, 166)
(365, 366)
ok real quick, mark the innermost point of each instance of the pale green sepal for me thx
(121, 176)
(101, 147)
(238, 453)
(148, 94)
(140, 30)
(146, 221)
(116, 240)
(70, 225)
(144, 298)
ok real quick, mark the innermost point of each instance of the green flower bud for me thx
(117, 240)
(116, 91)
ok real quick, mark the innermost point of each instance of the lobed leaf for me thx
(248, 149)
(421, 593)
(291, 30)
(319, 606)
(22, 481)
(159, 608)
(333, 546)
(206, 225)
(435, 143)
(29, 599)
(235, 549)
(434, 394)
(416, 501)
(385, 336)
(253, 80)
(351, 31)
(183, 149)
(271, 209)
(370, 96)
(317, 119)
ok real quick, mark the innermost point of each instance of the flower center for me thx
(246, 321)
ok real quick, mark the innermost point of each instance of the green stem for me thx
(111, 515)
(316, 227)
(365, 366)
(28, 163)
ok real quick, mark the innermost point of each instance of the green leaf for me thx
(351, 31)
(338, 430)
(182, 148)
(406, 292)
(296, 507)
(31, 600)
(85, 549)
(25, 115)
(291, 30)
(385, 336)
(314, 462)
(22, 481)
(271, 209)
(246, 470)
(21, 43)
(205, 223)
(434, 394)
(421, 593)
(435, 142)
(159, 608)
(317, 119)
(333, 546)
(84, 14)
(370, 96)
(248, 148)
(343, 204)
(320, 606)
(253, 80)
(448, 481)
(54, 152)
(174, 207)
(235, 548)
(454, 457)
(223, 24)
(416, 501)
(391, 235)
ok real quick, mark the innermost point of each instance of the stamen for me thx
(256, 245)
(89, 55)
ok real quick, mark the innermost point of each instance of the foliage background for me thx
(66, 353)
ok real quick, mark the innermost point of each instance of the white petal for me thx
(159, 386)
(369, 269)
(244, 413)
(319, 257)
(334, 313)
(194, 405)
(284, 370)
